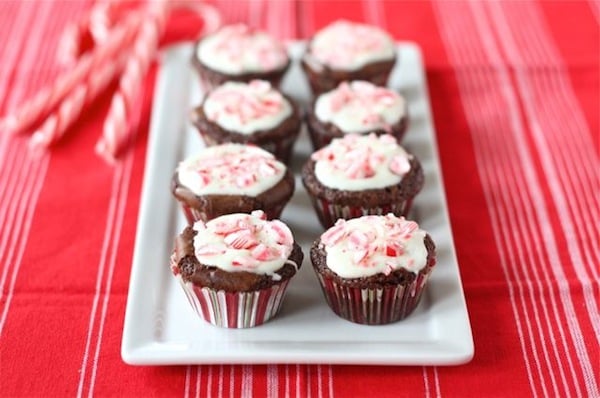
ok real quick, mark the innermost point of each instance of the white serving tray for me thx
(160, 326)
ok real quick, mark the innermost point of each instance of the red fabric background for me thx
(516, 112)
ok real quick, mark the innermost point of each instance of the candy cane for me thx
(116, 127)
(97, 22)
(71, 107)
(113, 25)
(48, 98)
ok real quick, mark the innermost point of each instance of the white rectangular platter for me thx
(160, 326)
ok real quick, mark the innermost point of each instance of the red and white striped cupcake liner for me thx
(235, 310)
(329, 212)
(373, 306)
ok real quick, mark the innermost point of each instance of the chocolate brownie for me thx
(345, 51)
(373, 269)
(362, 174)
(232, 178)
(252, 113)
(239, 53)
(318, 256)
(235, 269)
(356, 107)
(192, 270)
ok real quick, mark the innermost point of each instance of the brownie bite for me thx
(231, 178)
(373, 269)
(345, 51)
(250, 113)
(239, 53)
(235, 269)
(356, 107)
(361, 174)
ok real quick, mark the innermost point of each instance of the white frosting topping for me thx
(359, 162)
(246, 107)
(243, 242)
(359, 107)
(348, 45)
(230, 169)
(370, 245)
(238, 49)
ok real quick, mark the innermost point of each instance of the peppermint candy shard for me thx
(224, 227)
(244, 261)
(281, 232)
(334, 234)
(209, 250)
(265, 253)
(359, 239)
(259, 214)
(242, 239)
(389, 267)
(359, 256)
(399, 165)
(393, 249)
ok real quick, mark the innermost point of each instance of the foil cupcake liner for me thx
(373, 306)
(235, 310)
(329, 212)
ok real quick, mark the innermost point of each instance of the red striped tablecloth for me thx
(515, 96)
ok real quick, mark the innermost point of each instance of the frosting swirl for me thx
(246, 107)
(230, 169)
(360, 106)
(243, 242)
(238, 49)
(369, 245)
(358, 162)
(348, 45)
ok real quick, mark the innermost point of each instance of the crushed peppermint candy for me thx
(246, 107)
(362, 157)
(246, 101)
(374, 244)
(360, 106)
(243, 242)
(231, 169)
(239, 48)
(348, 45)
(235, 40)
